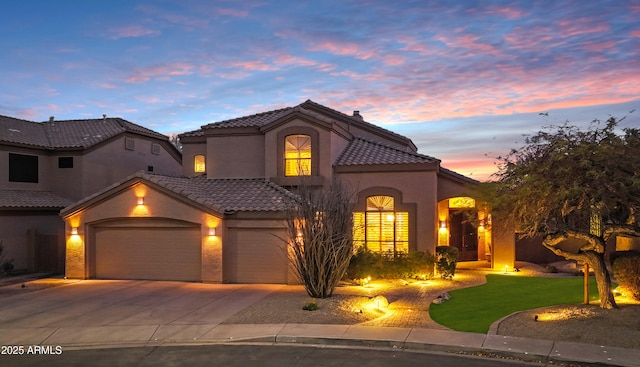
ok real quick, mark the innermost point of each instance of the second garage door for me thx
(148, 253)
(255, 256)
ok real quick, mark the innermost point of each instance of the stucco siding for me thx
(235, 156)
(110, 162)
(189, 151)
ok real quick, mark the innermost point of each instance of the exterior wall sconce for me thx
(74, 231)
(212, 231)
(443, 224)
(141, 200)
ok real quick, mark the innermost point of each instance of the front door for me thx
(463, 235)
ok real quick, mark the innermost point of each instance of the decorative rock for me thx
(438, 300)
(380, 302)
(446, 296)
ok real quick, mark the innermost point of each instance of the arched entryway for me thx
(464, 225)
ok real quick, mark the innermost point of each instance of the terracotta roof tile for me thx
(257, 120)
(308, 107)
(220, 195)
(31, 199)
(241, 194)
(366, 152)
(18, 131)
(67, 133)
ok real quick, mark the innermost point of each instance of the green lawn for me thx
(475, 309)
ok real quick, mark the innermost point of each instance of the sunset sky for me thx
(463, 79)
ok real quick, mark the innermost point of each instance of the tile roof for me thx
(223, 195)
(308, 107)
(309, 103)
(256, 120)
(68, 133)
(220, 195)
(361, 151)
(457, 176)
(18, 131)
(23, 199)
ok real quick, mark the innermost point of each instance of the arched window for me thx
(297, 155)
(198, 164)
(380, 228)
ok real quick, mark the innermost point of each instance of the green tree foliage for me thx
(571, 183)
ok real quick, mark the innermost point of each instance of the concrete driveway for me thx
(121, 311)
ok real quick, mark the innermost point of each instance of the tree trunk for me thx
(594, 258)
(596, 262)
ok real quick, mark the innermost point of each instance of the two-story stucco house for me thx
(221, 220)
(47, 166)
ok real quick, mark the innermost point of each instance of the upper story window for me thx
(23, 168)
(297, 155)
(65, 162)
(198, 164)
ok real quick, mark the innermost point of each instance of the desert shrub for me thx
(446, 261)
(311, 306)
(626, 270)
(366, 263)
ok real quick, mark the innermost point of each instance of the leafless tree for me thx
(320, 237)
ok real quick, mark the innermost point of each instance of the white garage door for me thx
(256, 256)
(148, 253)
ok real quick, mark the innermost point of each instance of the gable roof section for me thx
(311, 105)
(218, 195)
(66, 134)
(361, 151)
(309, 108)
(29, 199)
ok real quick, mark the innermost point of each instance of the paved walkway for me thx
(90, 314)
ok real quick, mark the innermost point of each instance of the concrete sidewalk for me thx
(333, 335)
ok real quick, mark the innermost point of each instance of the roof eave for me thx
(394, 167)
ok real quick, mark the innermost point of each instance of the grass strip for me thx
(474, 309)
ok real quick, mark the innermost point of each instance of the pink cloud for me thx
(343, 49)
(107, 85)
(160, 71)
(253, 65)
(575, 27)
(509, 13)
(635, 33)
(132, 31)
(528, 38)
(393, 60)
(599, 46)
(233, 12)
(296, 61)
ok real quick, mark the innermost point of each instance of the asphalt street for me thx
(253, 355)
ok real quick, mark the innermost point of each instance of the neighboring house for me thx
(47, 166)
(223, 219)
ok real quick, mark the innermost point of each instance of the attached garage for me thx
(158, 227)
(153, 253)
(255, 255)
